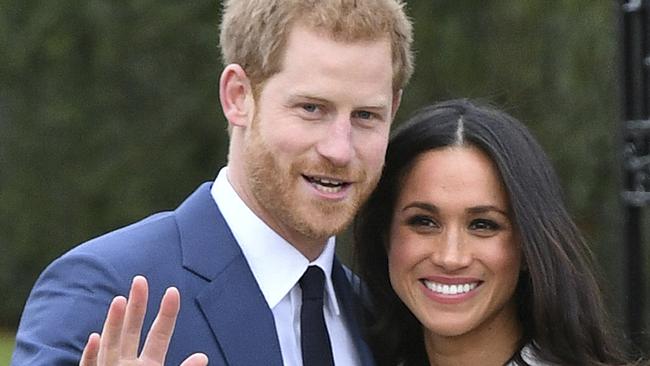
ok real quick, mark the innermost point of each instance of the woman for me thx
(469, 254)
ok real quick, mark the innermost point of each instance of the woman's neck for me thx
(492, 344)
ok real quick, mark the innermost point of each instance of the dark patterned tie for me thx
(315, 341)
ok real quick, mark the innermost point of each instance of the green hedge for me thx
(6, 347)
(109, 110)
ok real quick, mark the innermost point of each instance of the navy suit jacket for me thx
(223, 312)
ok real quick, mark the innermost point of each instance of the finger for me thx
(136, 308)
(157, 342)
(89, 355)
(197, 359)
(109, 345)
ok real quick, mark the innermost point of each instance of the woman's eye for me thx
(484, 225)
(422, 222)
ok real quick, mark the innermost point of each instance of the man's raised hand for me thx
(118, 343)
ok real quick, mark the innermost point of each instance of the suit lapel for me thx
(240, 318)
(231, 301)
(352, 309)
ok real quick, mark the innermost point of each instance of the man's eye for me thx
(309, 107)
(364, 115)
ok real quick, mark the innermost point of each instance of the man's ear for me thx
(236, 95)
(397, 99)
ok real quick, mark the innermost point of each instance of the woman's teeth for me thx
(446, 289)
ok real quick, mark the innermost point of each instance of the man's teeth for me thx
(445, 289)
(328, 189)
(327, 185)
(329, 182)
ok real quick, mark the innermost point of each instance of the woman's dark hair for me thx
(559, 302)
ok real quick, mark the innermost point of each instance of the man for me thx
(309, 92)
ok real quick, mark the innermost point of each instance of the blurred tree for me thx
(109, 110)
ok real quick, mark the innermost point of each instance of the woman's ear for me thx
(236, 96)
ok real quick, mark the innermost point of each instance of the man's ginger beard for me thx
(275, 187)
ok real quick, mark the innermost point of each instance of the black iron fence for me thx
(635, 78)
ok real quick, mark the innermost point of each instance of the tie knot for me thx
(312, 283)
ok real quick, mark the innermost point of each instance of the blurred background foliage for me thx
(109, 111)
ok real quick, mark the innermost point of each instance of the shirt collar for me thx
(276, 264)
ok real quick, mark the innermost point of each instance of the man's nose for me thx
(336, 145)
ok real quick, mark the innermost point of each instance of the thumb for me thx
(197, 359)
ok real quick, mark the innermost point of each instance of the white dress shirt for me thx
(277, 267)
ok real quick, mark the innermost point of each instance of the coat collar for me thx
(231, 302)
(351, 306)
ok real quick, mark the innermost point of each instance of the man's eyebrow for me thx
(314, 98)
(374, 107)
(378, 105)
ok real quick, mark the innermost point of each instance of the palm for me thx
(118, 343)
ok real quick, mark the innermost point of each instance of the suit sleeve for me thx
(68, 302)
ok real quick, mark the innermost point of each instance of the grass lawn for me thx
(6, 347)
